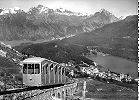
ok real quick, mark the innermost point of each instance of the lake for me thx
(116, 64)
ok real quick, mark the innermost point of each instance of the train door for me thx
(66, 75)
(63, 75)
(56, 74)
(51, 77)
(59, 74)
(45, 74)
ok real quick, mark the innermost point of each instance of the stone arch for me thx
(58, 95)
(53, 93)
(63, 94)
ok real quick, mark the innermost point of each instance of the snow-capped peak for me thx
(42, 8)
(105, 11)
(67, 12)
(39, 9)
(61, 11)
(9, 10)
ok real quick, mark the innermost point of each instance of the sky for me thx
(117, 7)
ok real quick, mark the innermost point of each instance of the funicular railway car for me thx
(39, 71)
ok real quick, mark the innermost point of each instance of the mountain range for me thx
(44, 23)
(118, 39)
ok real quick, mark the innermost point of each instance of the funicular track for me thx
(30, 89)
(40, 93)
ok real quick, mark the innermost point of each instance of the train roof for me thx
(34, 60)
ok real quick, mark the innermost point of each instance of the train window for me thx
(37, 68)
(25, 69)
(30, 68)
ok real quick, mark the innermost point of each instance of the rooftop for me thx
(33, 60)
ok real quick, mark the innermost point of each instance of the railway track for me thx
(29, 89)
